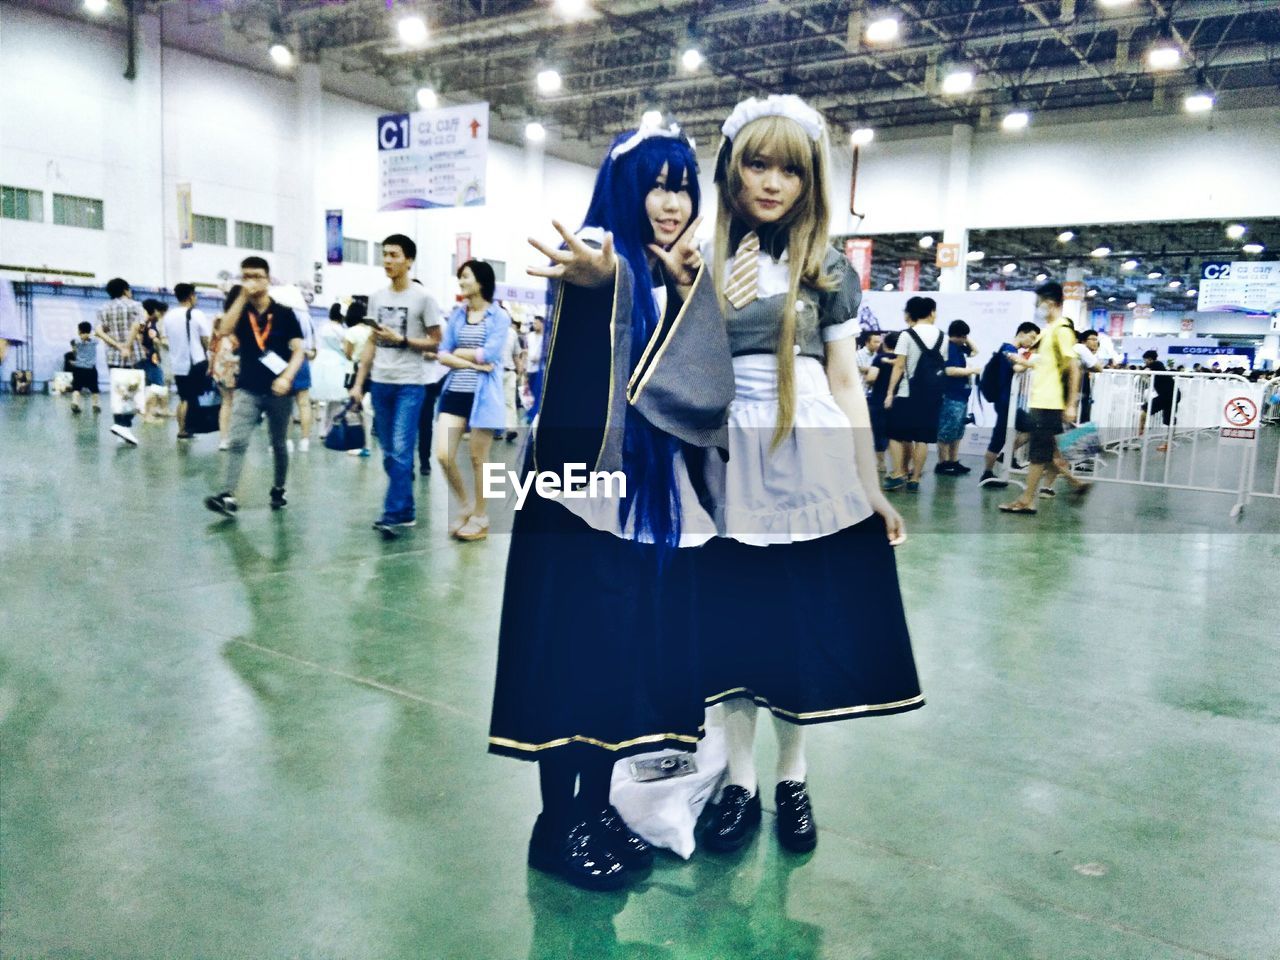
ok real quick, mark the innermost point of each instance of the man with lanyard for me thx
(187, 330)
(270, 348)
(120, 328)
(408, 327)
(1055, 396)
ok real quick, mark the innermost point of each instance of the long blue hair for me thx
(617, 205)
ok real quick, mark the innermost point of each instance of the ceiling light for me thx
(691, 59)
(1100, 252)
(887, 287)
(1154, 275)
(535, 132)
(926, 241)
(973, 256)
(1009, 267)
(412, 30)
(1199, 102)
(1092, 293)
(1017, 120)
(651, 118)
(1163, 56)
(1174, 284)
(1066, 236)
(862, 136)
(1115, 3)
(959, 80)
(427, 98)
(1111, 299)
(1236, 231)
(1253, 248)
(571, 9)
(975, 286)
(882, 30)
(1131, 304)
(96, 6)
(1191, 291)
(1129, 265)
(281, 55)
(1041, 277)
(549, 81)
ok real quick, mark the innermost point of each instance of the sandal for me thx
(476, 528)
(458, 523)
(1015, 507)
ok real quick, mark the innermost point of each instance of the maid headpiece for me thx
(646, 131)
(775, 105)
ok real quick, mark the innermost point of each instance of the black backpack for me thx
(994, 374)
(930, 375)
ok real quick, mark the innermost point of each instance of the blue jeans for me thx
(396, 408)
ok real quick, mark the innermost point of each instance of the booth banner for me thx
(461, 250)
(510, 293)
(857, 250)
(1207, 356)
(433, 158)
(909, 276)
(993, 318)
(333, 235)
(1117, 324)
(186, 219)
(1250, 287)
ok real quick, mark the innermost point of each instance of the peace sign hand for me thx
(579, 265)
(683, 260)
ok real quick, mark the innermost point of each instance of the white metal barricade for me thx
(1160, 429)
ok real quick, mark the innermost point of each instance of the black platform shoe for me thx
(735, 820)
(797, 830)
(633, 850)
(579, 854)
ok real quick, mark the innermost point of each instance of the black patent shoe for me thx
(633, 850)
(736, 818)
(579, 855)
(797, 830)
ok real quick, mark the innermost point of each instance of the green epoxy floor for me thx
(267, 739)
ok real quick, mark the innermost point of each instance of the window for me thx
(254, 236)
(19, 204)
(209, 230)
(377, 255)
(355, 251)
(77, 212)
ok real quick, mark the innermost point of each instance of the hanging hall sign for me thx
(433, 158)
(909, 276)
(857, 250)
(186, 219)
(333, 235)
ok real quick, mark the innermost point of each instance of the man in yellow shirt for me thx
(1055, 395)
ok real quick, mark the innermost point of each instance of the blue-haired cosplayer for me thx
(597, 654)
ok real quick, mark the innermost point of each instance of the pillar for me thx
(955, 226)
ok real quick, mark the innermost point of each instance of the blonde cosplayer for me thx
(806, 224)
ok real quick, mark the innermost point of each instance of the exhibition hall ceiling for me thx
(893, 66)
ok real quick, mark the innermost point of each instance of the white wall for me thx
(70, 123)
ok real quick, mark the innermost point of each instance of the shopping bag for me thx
(1080, 443)
(661, 795)
(347, 432)
(202, 415)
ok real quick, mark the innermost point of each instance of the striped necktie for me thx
(741, 287)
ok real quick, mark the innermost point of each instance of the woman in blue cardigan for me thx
(472, 398)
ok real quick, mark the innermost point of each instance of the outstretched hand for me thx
(683, 260)
(579, 264)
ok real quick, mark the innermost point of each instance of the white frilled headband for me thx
(644, 133)
(775, 105)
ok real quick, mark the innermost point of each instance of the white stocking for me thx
(791, 763)
(740, 741)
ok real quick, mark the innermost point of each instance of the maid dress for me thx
(800, 604)
(598, 645)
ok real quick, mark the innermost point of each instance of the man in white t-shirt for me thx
(533, 365)
(188, 331)
(912, 421)
(393, 359)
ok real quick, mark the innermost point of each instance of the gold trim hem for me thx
(917, 700)
(592, 741)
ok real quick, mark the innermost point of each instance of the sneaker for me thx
(511, 435)
(124, 434)
(223, 503)
(989, 479)
(277, 498)
(288, 445)
(1048, 493)
(224, 445)
(959, 469)
(894, 483)
(75, 408)
(913, 486)
(945, 469)
(358, 453)
(97, 408)
(186, 436)
(304, 444)
(391, 529)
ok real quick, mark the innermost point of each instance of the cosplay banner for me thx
(433, 158)
(333, 235)
(857, 251)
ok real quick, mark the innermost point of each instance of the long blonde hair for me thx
(807, 223)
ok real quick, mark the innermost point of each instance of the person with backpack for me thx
(188, 331)
(996, 387)
(914, 396)
(955, 400)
